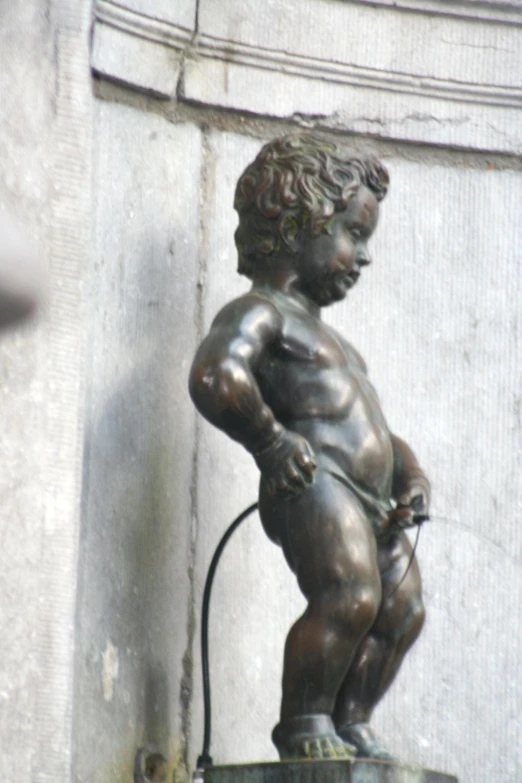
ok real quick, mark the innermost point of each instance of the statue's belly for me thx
(338, 411)
(359, 450)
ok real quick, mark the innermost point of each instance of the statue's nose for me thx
(363, 257)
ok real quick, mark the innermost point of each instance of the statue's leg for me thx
(329, 544)
(382, 651)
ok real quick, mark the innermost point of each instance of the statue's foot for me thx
(310, 737)
(366, 743)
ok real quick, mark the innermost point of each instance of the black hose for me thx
(205, 759)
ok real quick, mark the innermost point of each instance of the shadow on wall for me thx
(21, 273)
(134, 582)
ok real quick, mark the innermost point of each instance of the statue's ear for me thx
(289, 230)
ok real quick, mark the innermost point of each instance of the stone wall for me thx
(137, 227)
(45, 119)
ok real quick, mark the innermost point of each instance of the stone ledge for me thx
(383, 113)
(505, 12)
(141, 63)
(180, 13)
(381, 40)
(443, 99)
(147, 27)
(357, 76)
(360, 771)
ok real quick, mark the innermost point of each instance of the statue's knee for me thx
(356, 608)
(402, 618)
(366, 604)
(409, 620)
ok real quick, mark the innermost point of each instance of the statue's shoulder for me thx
(254, 310)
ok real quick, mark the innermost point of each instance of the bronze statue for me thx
(337, 488)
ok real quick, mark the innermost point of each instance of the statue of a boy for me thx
(337, 486)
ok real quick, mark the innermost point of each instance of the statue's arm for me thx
(222, 380)
(411, 487)
(223, 387)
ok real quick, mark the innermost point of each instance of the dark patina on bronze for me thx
(337, 487)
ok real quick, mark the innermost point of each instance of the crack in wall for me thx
(186, 52)
(484, 47)
(187, 679)
(196, 21)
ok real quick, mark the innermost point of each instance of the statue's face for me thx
(330, 265)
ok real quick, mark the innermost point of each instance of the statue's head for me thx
(291, 192)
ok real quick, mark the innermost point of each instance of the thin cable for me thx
(405, 574)
(205, 759)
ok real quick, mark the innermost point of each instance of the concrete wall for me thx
(101, 598)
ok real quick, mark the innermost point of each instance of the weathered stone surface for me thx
(146, 65)
(134, 656)
(392, 40)
(421, 75)
(181, 12)
(45, 152)
(342, 103)
(504, 11)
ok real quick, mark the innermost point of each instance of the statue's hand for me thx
(287, 465)
(413, 505)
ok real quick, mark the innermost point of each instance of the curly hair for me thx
(297, 183)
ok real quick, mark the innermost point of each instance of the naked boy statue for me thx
(337, 487)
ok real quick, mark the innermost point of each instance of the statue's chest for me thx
(312, 344)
